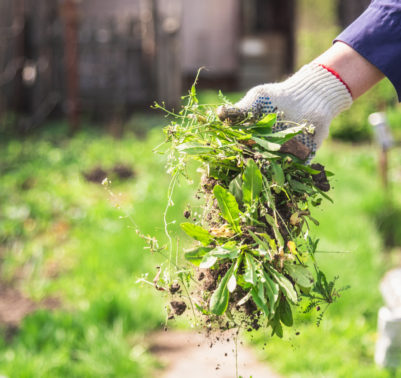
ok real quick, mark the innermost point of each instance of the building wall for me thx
(210, 34)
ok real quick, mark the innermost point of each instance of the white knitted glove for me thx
(314, 94)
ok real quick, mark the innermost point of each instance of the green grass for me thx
(66, 238)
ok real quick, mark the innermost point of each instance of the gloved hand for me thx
(315, 94)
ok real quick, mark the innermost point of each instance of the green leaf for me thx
(225, 252)
(315, 221)
(306, 169)
(260, 302)
(285, 285)
(267, 121)
(197, 232)
(287, 133)
(250, 270)
(218, 253)
(276, 231)
(193, 93)
(208, 261)
(195, 256)
(194, 149)
(228, 206)
(219, 299)
(235, 188)
(301, 187)
(278, 174)
(269, 155)
(323, 194)
(272, 290)
(260, 131)
(300, 274)
(277, 329)
(244, 299)
(232, 283)
(267, 194)
(285, 312)
(251, 182)
(201, 309)
(262, 243)
(269, 146)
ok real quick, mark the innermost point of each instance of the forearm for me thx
(376, 36)
(359, 74)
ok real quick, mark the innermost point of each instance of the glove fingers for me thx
(231, 114)
(302, 146)
(256, 102)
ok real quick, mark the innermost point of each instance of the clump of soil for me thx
(175, 287)
(211, 276)
(320, 179)
(119, 171)
(96, 174)
(123, 171)
(246, 314)
(179, 307)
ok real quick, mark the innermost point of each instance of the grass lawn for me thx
(63, 236)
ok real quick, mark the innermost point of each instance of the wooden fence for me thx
(120, 64)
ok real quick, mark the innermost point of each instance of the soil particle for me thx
(208, 183)
(175, 287)
(212, 276)
(179, 307)
(320, 180)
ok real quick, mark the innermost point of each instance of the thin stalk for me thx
(166, 231)
(190, 300)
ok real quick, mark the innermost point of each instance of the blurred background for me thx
(77, 79)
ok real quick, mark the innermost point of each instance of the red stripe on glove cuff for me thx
(337, 75)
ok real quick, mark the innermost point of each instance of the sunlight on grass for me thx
(62, 236)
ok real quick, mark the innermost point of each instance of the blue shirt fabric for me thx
(376, 35)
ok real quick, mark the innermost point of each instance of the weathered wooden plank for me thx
(168, 55)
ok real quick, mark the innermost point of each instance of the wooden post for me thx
(167, 23)
(69, 14)
(383, 167)
(385, 141)
(19, 102)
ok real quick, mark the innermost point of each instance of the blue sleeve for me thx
(376, 35)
